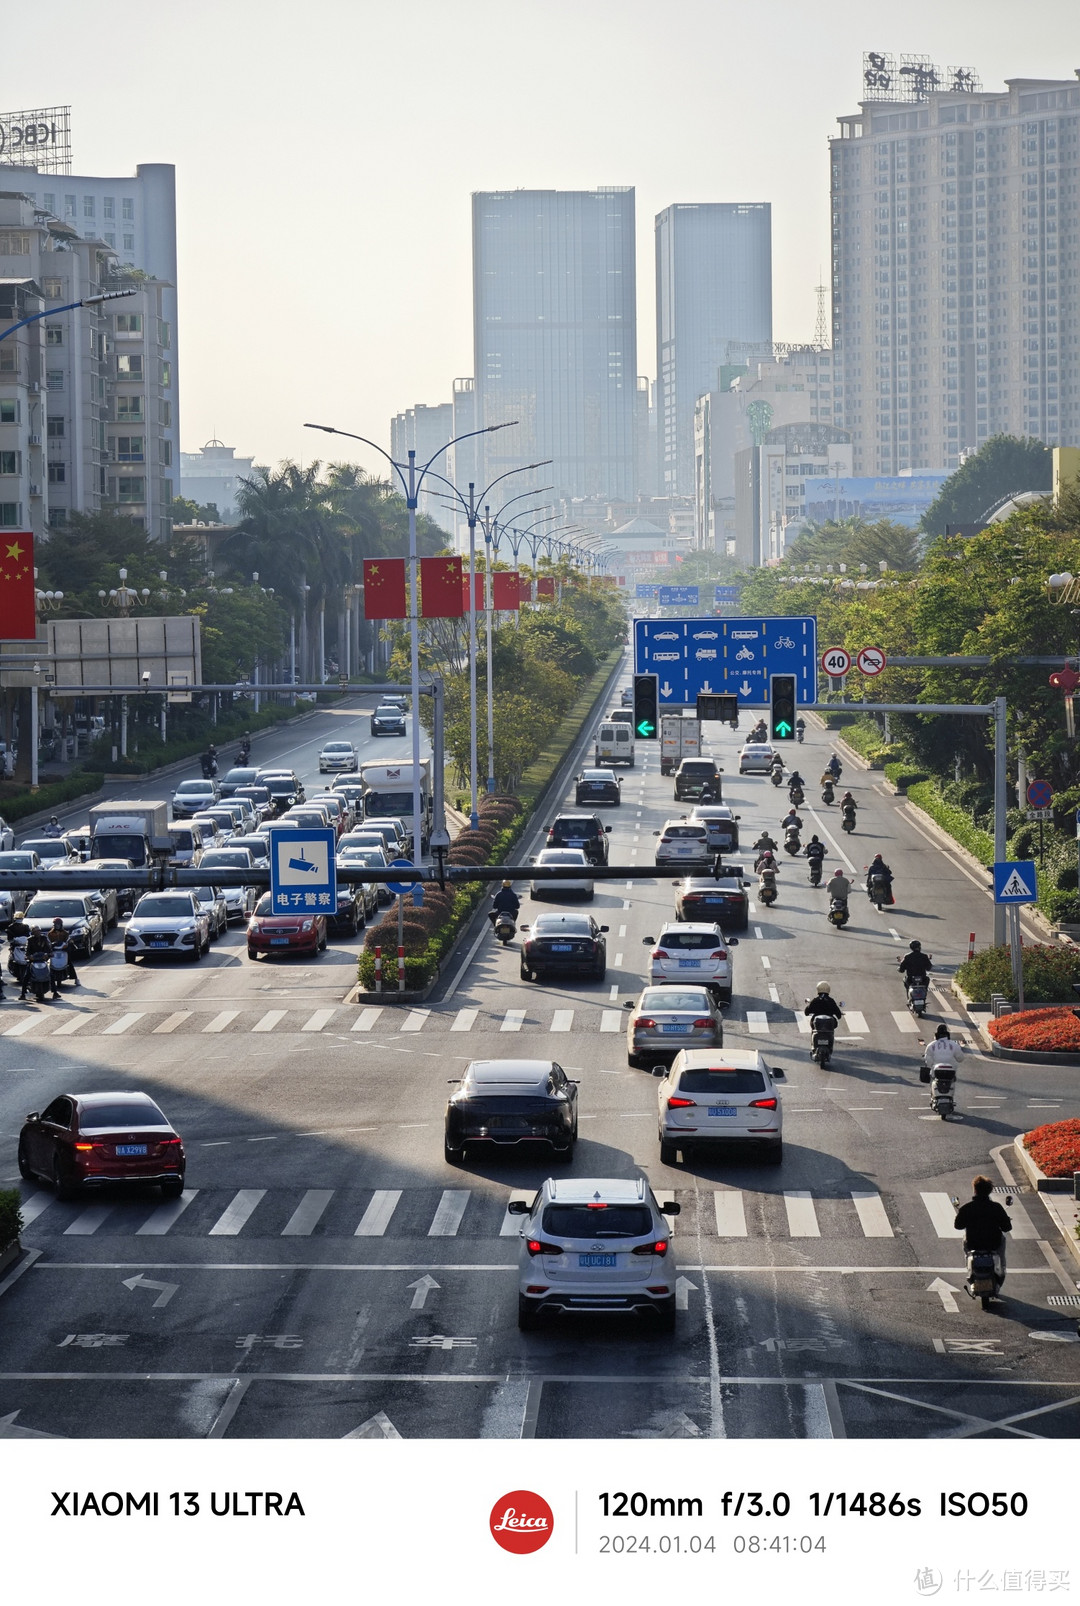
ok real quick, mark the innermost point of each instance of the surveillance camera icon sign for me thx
(302, 871)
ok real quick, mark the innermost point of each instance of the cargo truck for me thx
(680, 737)
(131, 829)
(388, 792)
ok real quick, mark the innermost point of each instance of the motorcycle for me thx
(822, 1035)
(943, 1090)
(796, 796)
(799, 732)
(244, 754)
(815, 872)
(504, 926)
(792, 840)
(58, 964)
(759, 733)
(837, 770)
(838, 913)
(209, 768)
(917, 989)
(17, 958)
(767, 888)
(760, 860)
(777, 775)
(40, 977)
(985, 1271)
(879, 891)
(827, 793)
(848, 822)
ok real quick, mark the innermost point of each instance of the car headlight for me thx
(307, 925)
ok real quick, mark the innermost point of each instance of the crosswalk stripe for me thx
(611, 1020)
(511, 1225)
(941, 1210)
(236, 1214)
(367, 1018)
(451, 1208)
(757, 1021)
(221, 1020)
(801, 1215)
(513, 1020)
(562, 1020)
(464, 1020)
(376, 1218)
(31, 1208)
(856, 1021)
(267, 1022)
(307, 1213)
(414, 1021)
(22, 1026)
(72, 1024)
(87, 1221)
(904, 1021)
(171, 1022)
(160, 1220)
(803, 1024)
(321, 1018)
(730, 1214)
(122, 1024)
(872, 1216)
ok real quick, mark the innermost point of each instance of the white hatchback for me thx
(720, 1096)
(693, 952)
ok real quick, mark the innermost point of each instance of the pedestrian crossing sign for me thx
(1015, 881)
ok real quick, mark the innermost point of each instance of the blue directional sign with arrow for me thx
(303, 877)
(679, 596)
(733, 655)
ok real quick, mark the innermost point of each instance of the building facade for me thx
(770, 486)
(955, 315)
(424, 430)
(555, 338)
(713, 286)
(212, 475)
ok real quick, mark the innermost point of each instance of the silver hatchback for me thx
(667, 1019)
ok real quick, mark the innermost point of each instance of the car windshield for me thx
(255, 845)
(721, 1080)
(46, 908)
(162, 908)
(387, 711)
(557, 925)
(597, 775)
(49, 847)
(108, 1117)
(692, 831)
(338, 747)
(239, 777)
(676, 938)
(236, 858)
(16, 861)
(195, 786)
(698, 766)
(206, 894)
(562, 856)
(668, 998)
(597, 1221)
(264, 907)
(254, 794)
(280, 787)
(582, 828)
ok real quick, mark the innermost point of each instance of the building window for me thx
(88, 206)
(108, 207)
(110, 238)
(128, 206)
(69, 205)
(129, 407)
(132, 489)
(52, 289)
(129, 242)
(129, 323)
(166, 415)
(55, 429)
(165, 453)
(57, 474)
(14, 245)
(8, 358)
(9, 412)
(130, 448)
(54, 379)
(10, 462)
(49, 200)
(10, 518)
(58, 517)
(129, 365)
(54, 334)
(166, 375)
(164, 335)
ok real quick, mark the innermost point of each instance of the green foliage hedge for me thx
(903, 776)
(11, 1221)
(1049, 972)
(954, 820)
(22, 803)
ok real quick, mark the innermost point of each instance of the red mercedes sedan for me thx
(83, 1140)
(268, 933)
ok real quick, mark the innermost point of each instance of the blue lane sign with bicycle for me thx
(734, 655)
(303, 877)
(1015, 881)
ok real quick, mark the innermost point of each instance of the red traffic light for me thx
(1065, 679)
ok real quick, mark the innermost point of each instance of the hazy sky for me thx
(326, 152)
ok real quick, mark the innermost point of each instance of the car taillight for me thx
(537, 1246)
(83, 1148)
(643, 1020)
(718, 953)
(170, 1143)
(703, 1020)
(657, 1248)
(680, 1104)
(660, 953)
(763, 1104)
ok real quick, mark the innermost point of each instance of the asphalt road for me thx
(327, 1274)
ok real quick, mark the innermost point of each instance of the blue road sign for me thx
(1040, 795)
(679, 596)
(303, 876)
(726, 593)
(400, 887)
(733, 654)
(1015, 881)
(646, 593)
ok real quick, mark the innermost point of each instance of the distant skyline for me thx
(324, 172)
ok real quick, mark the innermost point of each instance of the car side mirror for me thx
(647, 942)
(733, 942)
(629, 1004)
(656, 833)
(778, 1074)
(518, 1207)
(738, 816)
(524, 926)
(605, 928)
(672, 1208)
(34, 1115)
(607, 830)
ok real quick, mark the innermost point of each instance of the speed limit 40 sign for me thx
(836, 661)
(871, 660)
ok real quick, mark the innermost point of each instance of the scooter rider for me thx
(983, 1221)
(791, 818)
(824, 1003)
(765, 857)
(848, 802)
(839, 886)
(914, 966)
(800, 728)
(53, 827)
(815, 849)
(943, 1051)
(835, 767)
(878, 867)
(36, 944)
(60, 938)
(505, 901)
(765, 843)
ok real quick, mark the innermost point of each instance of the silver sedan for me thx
(579, 885)
(665, 1020)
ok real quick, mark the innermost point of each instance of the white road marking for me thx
(1023, 1226)
(464, 1020)
(219, 1022)
(613, 992)
(237, 1212)
(413, 1022)
(376, 1218)
(31, 1208)
(72, 1024)
(758, 933)
(766, 962)
(611, 1020)
(321, 1018)
(803, 1024)
(622, 931)
(618, 961)
(801, 1215)
(307, 1214)
(512, 1021)
(856, 1021)
(872, 1215)
(171, 1022)
(895, 935)
(87, 1221)
(447, 1218)
(774, 993)
(730, 1214)
(562, 1020)
(267, 1022)
(941, 1210)
(366, 1019)
(904, 1021)
(22, 1026)
(626, 903)
(162, 1218)
(757, 1021)
(122, 1024)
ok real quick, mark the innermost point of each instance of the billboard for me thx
(901, 498)
(117, 652)
(40, 139)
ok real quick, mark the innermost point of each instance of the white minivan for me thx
(614, 744)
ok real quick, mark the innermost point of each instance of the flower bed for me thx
(1038, 1031)
(1055, 1148)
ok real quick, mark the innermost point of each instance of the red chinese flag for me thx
(524, 590)
(545, 587)
(384, 588)
(478, 587)
(18, 620)
(440, 588)
(507, 590)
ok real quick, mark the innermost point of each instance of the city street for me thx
(327, 1273)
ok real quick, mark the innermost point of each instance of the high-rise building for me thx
(424, 430)
(465, 456)
(713, 286)
(555, 339)
(212, 475)
(955, 314)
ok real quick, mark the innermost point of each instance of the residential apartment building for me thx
(956, 315)
(770, 485)
(424, 430)
(555, 338)
(22, 384)
(713, 286)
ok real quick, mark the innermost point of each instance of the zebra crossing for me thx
(378, 1020)
(721, 1213)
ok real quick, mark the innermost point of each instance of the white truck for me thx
(134, 829)
(680, 737)
(388, 792)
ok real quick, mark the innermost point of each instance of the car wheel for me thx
(528, 1315)
(775, 1154)
(64, 1190)
(252, 953)
(129, 959)
(523, 973)
(452, 1155)
(534, 896)
(24, 1166)
(172, 1190)
(601, 971)
(197, 951)
(635, 1060)
(630, 765)
(668, 1152)
(320, 946)
(665, 1315)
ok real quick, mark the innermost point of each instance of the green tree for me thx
(854, 542)
(182, 510)
(1006, 465)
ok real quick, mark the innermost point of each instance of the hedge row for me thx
(11, 1221)
(959, 825)
(20, 804)
(1055, 1148)
(1049, 973)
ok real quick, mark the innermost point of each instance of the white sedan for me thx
(580, 886)
(755, 758)
(337, 756)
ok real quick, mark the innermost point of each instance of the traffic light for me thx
(782, 708)
(722, 706)
(646, 707)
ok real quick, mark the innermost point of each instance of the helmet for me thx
(942, 1031)
(915, 947)
(823, 987)
(877, 858)
(814, 837)
(847, 795)
(506, 883)
(53, 820)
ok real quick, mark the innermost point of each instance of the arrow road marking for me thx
(946, 1293)
(9, 1429)
(167, 1289)
(683, 1289)
(423, 1286)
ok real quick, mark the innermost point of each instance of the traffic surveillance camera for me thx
(146, 677)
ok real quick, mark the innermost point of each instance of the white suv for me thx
(597, 1245)
(693, 952)
(683, 842)
(720, 1095)
(170, 923)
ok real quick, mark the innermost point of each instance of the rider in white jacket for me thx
(942, 1051)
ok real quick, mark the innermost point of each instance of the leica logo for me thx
(521, 1521)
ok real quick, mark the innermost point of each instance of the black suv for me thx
(692, 774)
(585, 831)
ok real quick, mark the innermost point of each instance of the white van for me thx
(614, 744)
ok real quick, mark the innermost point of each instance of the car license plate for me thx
(562, 947)
(156, 942)
(677, 1028)
(130, 1148)
(576, 842)
(279, 942)
(723, 1109)
(597, 1260)
(689, 964)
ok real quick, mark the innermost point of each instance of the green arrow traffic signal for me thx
(783, 728)
(646, 728)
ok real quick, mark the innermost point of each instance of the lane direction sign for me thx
(871, 660)
(836, 661)
(1040, 795)
(679, 596)
(732, 654)
(303, 876)
(1015, 881)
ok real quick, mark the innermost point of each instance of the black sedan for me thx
(597, 786)
(722, 899)
(512, 1105)
(350, 913)
(564, 945)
